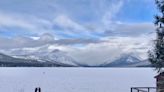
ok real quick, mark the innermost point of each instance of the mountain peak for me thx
(124, 60)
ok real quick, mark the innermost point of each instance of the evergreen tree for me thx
(156, 56)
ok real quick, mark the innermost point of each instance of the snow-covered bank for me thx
(75, 79)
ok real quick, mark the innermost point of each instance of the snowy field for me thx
(75, 79)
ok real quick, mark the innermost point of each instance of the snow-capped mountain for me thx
(127, 60)
(46, 56)
(42, 54)
(55, 56)
(144, 63)
(6, 60)
(9, 59)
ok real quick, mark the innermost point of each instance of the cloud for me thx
(70, 28)
(95, 54)
(44, 39)
(13, 21)
(111, 12)
(73, 24)
(66, 23)
(28, 23)
(76, 41)
(61, 26)
(110, 49)
(130, 29)
(16, 42)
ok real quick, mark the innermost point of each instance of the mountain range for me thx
(127, 60)
(57, 58)
(36, 61)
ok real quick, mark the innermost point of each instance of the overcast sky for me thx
(88, 30)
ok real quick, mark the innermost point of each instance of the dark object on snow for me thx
(38, 89)
(160, 82)
(143, 89)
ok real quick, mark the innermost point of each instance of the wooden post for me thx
(148, 89)
(131, 89)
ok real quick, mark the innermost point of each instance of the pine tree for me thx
(156, 56)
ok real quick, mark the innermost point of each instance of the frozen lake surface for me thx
(75, 79)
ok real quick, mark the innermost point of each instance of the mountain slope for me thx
(126, 60)
(45, 53)
(6, 60)
(10, 61)
(56, 56)
(144, 63)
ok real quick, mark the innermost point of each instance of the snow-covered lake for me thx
(75, 79)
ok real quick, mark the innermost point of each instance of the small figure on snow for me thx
(38, 89)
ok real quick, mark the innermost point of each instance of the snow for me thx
(130, 60)
(51, 56)
(75, 79)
